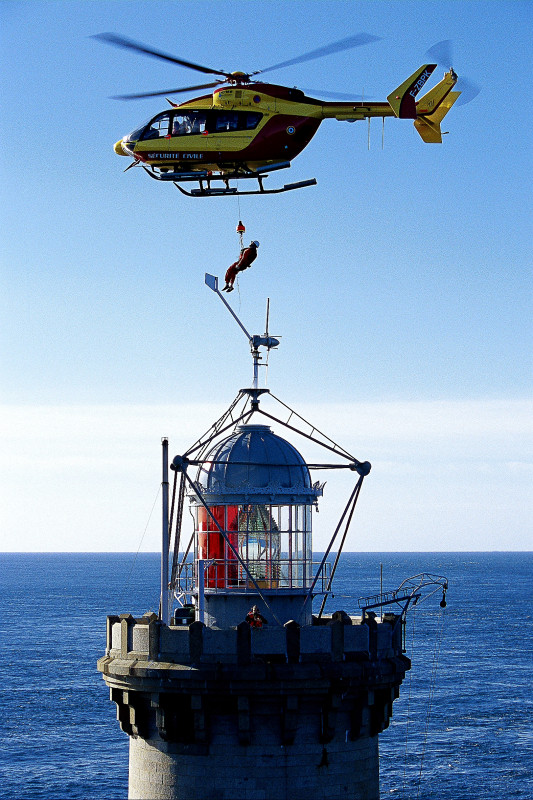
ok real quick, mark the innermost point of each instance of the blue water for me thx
(461, 729)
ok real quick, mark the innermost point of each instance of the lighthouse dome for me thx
(255, 465)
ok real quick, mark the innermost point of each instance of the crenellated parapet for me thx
(329, 639)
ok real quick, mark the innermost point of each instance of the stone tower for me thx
(219, 707)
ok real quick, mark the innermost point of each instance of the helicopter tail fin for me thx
(403, 99)
(428, 125)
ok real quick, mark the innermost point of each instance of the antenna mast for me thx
(255, 341)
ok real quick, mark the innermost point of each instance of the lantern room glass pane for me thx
(284, 518)
(274, 541)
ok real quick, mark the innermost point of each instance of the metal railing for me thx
(228, 574)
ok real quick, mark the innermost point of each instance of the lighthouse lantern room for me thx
(252, 503)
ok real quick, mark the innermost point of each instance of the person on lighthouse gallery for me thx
(245, 260)
(255, 619)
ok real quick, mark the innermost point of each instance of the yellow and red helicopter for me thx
(246, 129)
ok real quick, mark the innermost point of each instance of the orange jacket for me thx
(246, 258)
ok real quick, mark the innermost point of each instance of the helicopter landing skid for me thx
(208, 191)
(205, 189)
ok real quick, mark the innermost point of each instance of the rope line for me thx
(436, 653)
(409, 703)
(123, 592)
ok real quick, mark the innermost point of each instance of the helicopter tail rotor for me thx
(442, 54)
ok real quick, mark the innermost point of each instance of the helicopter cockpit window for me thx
(158, 128)
(184, 124)
(135, 135)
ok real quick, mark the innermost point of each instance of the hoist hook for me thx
(241, 230)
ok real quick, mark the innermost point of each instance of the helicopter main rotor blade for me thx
(168, 91)
(335, 47)
(337, 95)
(129, 44)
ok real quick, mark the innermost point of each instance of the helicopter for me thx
(246, 129)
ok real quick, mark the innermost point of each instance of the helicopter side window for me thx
(158, 128)
(181, 125)
(252, 120)
(199, 123)
(184, 124)
(237, 121)
(227, 122)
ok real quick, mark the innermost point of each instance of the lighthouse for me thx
(241, 686)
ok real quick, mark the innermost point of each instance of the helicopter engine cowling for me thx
(230, 96)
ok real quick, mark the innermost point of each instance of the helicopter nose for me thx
(119, 149)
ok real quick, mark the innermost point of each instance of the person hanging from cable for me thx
(245, 260)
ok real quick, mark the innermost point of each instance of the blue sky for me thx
(401, 283)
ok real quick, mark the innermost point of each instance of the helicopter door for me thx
(233, 130)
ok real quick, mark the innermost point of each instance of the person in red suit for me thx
(255, 619)
(245, 260)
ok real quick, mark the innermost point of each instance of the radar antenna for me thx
(256, 341)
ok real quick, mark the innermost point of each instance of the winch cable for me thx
(240, 230)
(433, 680)
(123, 592)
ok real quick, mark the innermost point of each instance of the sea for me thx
(461, 729)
